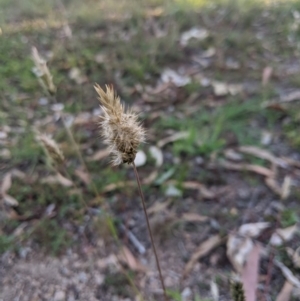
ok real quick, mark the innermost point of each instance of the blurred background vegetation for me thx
(208, 78)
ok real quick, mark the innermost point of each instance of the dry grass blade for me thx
(202, 250)
(159, 207)
(248, 167)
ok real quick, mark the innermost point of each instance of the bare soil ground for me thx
(216, 87)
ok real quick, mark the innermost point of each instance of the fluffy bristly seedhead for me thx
(51, 149)
(42, 72)
(120, 129)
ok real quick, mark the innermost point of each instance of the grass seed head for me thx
(51, 148)
(42, 72)
(120, 129)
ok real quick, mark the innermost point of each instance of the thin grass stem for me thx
(149, 230)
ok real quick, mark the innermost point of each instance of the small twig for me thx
(270, 264)
(136, 243)
(149, 230)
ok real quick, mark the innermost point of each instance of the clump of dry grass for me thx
(120, 129)
(123, 134)
(42, 72)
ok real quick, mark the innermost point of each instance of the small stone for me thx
(3, 135)
(266, 138)
(186, 294)
(173, 191)
(199, 160)
(157, 154)
(82, 277)
(169, 281)
(59, 296)
(140, 159)
(43, 101)
(57, 107)
(233, 211)
(23, 252)
(99, 279)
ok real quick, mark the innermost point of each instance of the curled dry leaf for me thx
(9, 200)
(5, 186)
(205, 247)
(266, 75)
(127, 257)
(57, 179)
(232, 155)
(272, 184)
(6, 183)
(172, 191)
(284, 190)
(283, 235)
(222, 89)
(285, 293)
(286, 187)
(111, 260)
(76, 75)
(159, 207)
(214, 290)
(238, 250)
(151, 178)
(295, 95)
(288, 274)
(262, 154)
(83, 176)
(250, 273)
(99, 155)
(113, 186)
(210, 52)
(204, 191)
(176, 78)
(253, 229)
(291, 162)
(16, 173)
(196, 33)
(172, 138)
(296, 258)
